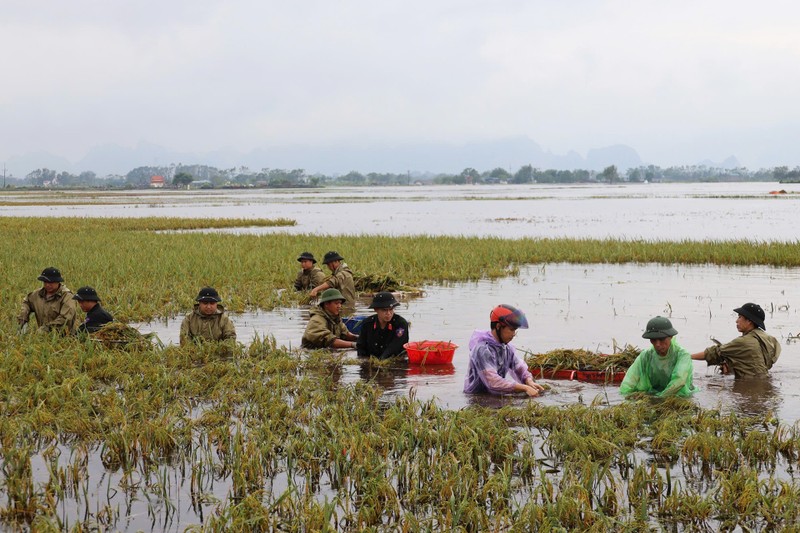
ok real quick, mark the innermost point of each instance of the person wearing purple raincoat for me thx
(494, 366)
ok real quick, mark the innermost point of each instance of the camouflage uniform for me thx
(323, 329)
(216, 327)
(57, 312)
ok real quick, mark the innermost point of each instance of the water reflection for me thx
(755, 396)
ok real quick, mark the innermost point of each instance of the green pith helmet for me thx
(659, 328)
(329, 295)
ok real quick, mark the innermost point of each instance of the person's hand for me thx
(535, 385)
(533, 391)
(314, 292)
(724, 369)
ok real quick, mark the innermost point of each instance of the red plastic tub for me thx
(592, 376)
(430, 352)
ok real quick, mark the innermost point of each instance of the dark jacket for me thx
(96, 318)
(382, 343)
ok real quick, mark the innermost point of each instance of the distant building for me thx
(157, 182)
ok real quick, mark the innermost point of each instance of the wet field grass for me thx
(261, 438)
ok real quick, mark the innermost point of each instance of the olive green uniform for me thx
(308, 279)
(55, 312)
(342, 279)
(216, 327)
(752, 354)
(322, 329)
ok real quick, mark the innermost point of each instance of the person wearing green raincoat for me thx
(665, 368)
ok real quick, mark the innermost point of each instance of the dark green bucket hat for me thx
(329, 295)
(659, 328)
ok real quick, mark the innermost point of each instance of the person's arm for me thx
(319, 288)
(185, 336)
(228, 329)
(342, 343)
(487, 373)
(521, 369)
(25, 311)
(630, 383)
(298, 282)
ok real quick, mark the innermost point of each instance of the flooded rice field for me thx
(595, 307)
(293, 450)
(700, 211)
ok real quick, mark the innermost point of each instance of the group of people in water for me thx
(664, 368)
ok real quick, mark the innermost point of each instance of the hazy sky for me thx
(678, 81)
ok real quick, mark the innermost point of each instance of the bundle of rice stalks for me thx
(377, 283)
(119, 335)
(580, 359)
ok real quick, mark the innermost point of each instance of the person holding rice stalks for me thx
(52, 305)
(494, 366)
(341, 278)
(664, 369)
(750, 355)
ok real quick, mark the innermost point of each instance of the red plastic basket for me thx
(593, 376)
(430, 352)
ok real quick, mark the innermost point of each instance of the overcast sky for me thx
(678, 81)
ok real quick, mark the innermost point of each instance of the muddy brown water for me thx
(580, 306)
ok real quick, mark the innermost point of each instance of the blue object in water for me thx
(353, 323)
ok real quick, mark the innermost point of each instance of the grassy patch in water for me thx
(141, 271)
(263, 439)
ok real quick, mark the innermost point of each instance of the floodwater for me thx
(581, 306)
(569, 306)
(696, 211)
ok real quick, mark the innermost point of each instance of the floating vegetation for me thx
(119, 335)
(378, 283)
(565, 359)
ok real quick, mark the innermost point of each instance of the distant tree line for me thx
(204, 176)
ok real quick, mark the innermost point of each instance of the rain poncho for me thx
(670, 375)
(494, 367)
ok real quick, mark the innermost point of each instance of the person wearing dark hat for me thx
(52, 305)
(96, 316)
(341, 278)
(310, 274)
(208, 321)
(384, 333)
(665, 368)
(325, 328)
(752, 354)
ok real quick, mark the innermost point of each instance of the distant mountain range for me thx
(333, 159)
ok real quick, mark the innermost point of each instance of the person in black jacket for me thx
(384, 333)
(96, 316)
